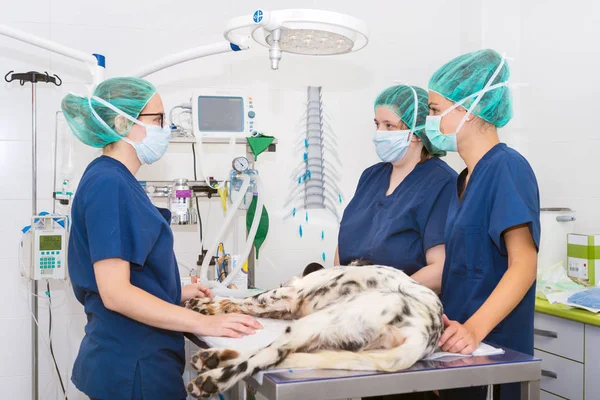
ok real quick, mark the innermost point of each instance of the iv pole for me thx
(34, 78)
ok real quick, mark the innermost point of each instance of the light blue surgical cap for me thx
(400, 100)
(468, 74)
(127, 94)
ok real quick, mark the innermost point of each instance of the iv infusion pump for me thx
(48, 238)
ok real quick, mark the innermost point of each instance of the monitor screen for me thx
(220, 114)
(53, 242)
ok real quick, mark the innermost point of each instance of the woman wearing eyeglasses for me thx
(121, 259)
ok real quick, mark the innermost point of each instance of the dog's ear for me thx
(312, 267)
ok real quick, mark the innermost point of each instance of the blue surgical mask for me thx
(155, 143)
(391, 146)
(153, 146)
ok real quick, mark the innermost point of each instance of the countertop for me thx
(566, 312)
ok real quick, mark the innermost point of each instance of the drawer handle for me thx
(541, 332)
(549, 374)
(565, 218)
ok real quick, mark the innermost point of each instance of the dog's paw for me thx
(209, 383)
(203, 387)
(213, 358)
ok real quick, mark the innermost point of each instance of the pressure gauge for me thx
(240, 164)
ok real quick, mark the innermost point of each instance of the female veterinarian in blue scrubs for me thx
(493, 228)
(121, 258)
(398, 213)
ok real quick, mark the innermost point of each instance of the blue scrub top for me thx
(398, 229)
(114, 218)
(502, 192)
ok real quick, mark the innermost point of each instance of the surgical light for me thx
(304, 32)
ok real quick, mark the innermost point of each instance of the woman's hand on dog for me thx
(458, 338)
(228, 325)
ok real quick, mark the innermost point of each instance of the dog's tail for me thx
(388, 360)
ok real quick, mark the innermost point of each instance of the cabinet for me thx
(570, 353)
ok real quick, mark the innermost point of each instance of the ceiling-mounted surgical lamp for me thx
(307, 32)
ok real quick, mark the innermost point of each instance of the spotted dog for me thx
(359, 317)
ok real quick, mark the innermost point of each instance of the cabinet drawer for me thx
(561, 376)
(558, 336)
(549, 396)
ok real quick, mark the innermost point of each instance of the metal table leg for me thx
(530, 390)
(238, 392)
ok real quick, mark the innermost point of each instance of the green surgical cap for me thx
(128, 94)
(466, 75)
(400, 100)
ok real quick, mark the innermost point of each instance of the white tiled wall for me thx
(552, 43)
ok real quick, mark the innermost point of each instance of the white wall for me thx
(550, 41)
(555, 51)
(561, 60)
